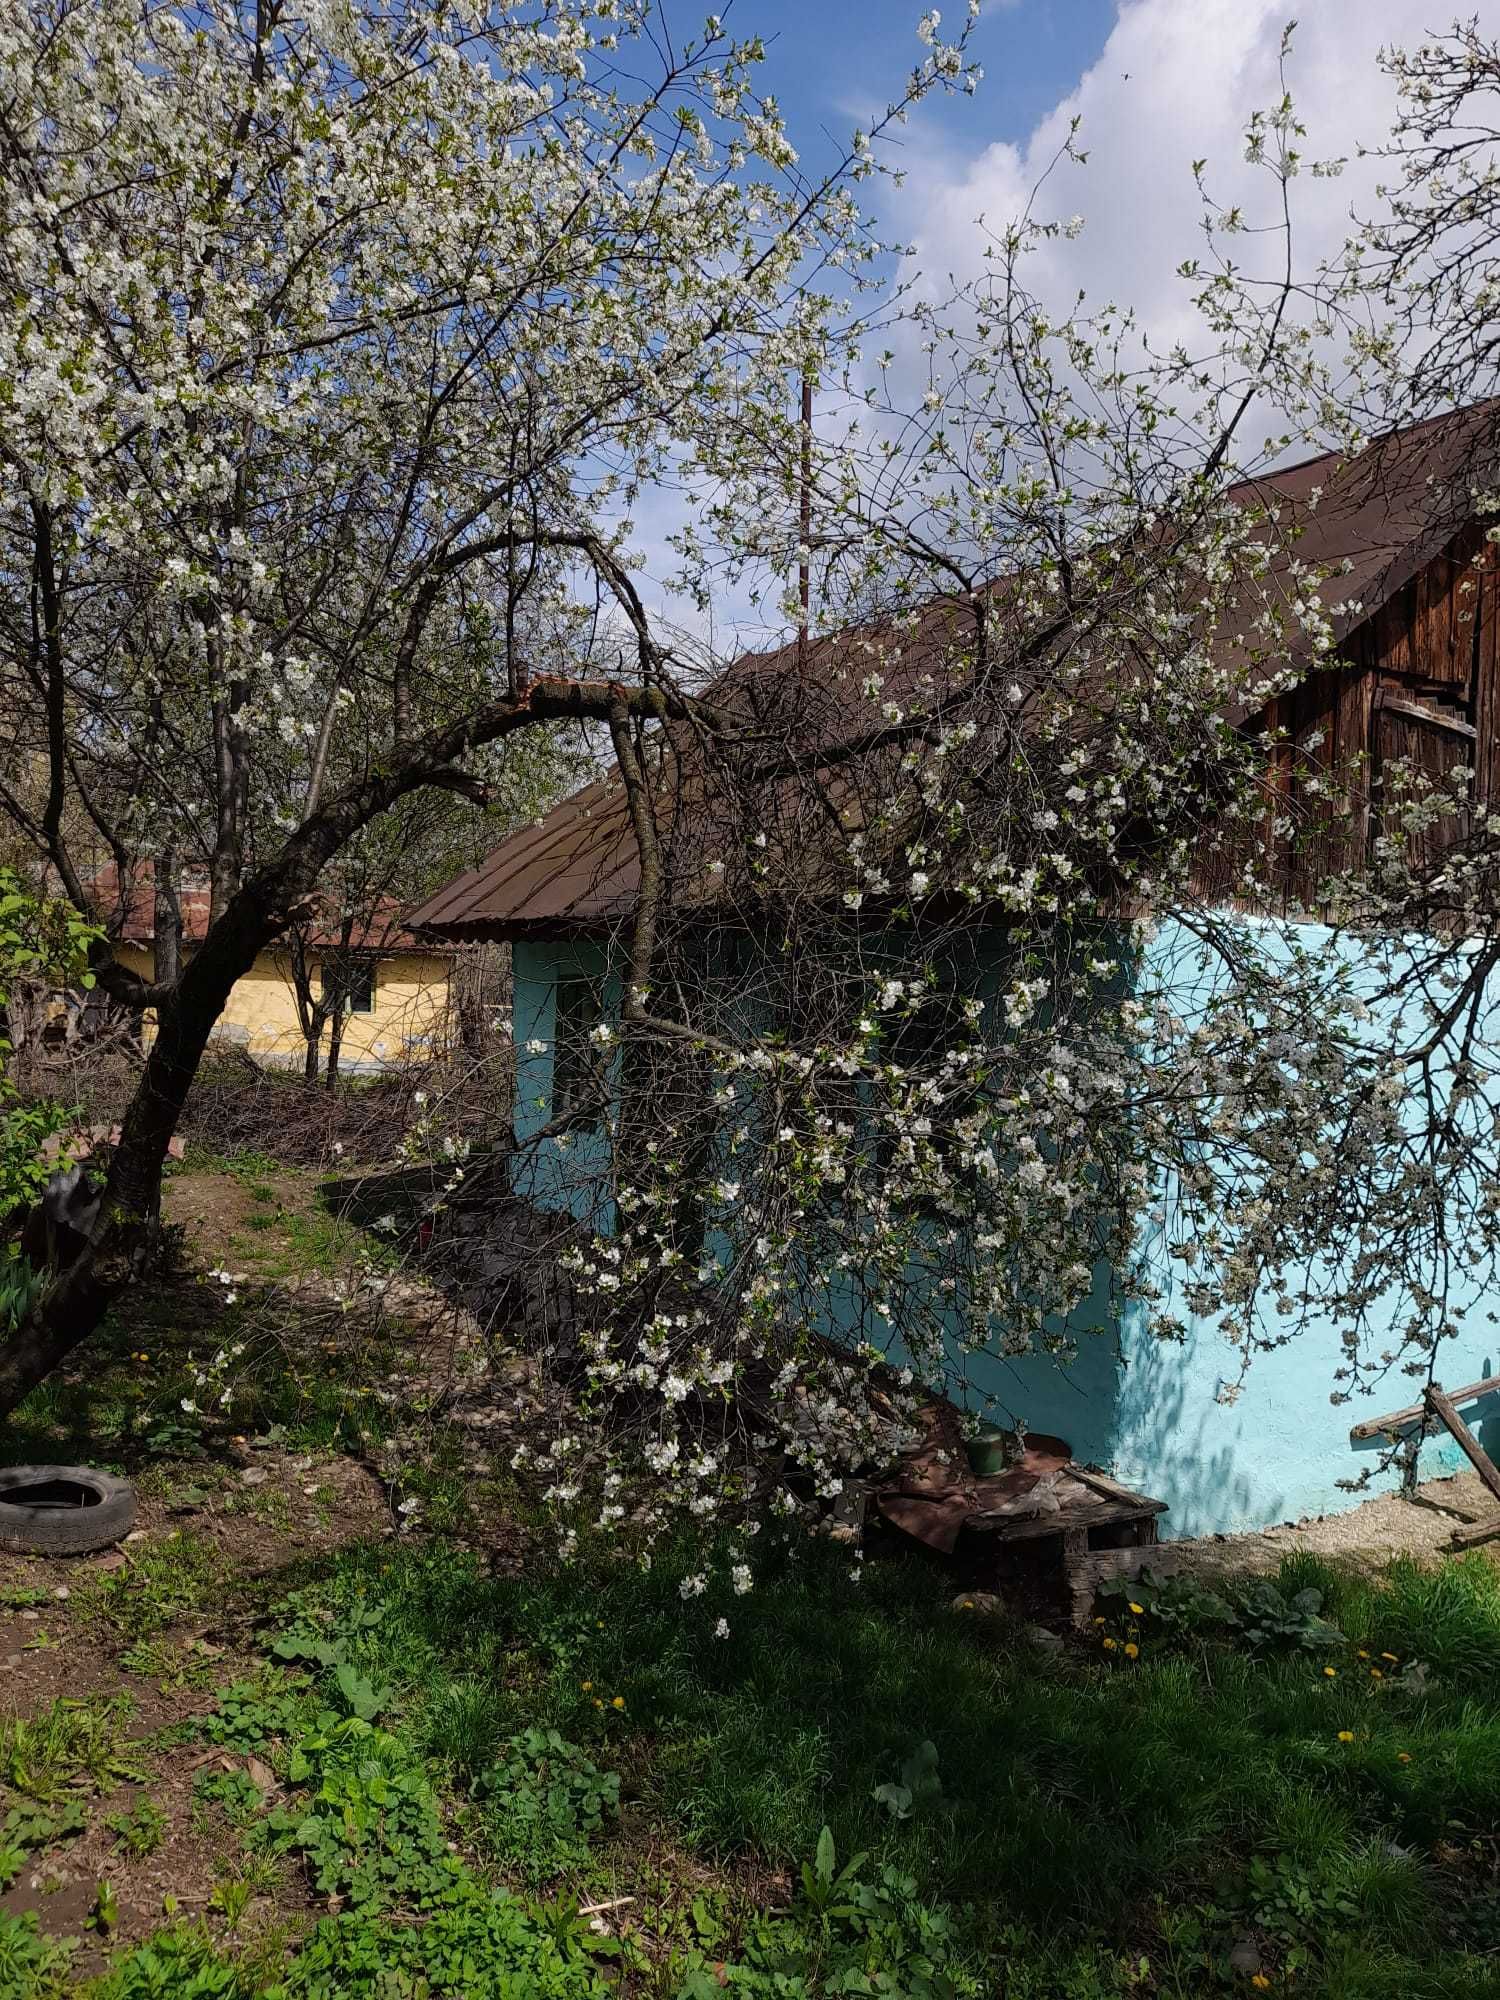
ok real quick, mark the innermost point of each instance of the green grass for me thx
(1155, 1810)
(164, 1580)
(1087, 1827)
(311, 1373)
(1091, 1827)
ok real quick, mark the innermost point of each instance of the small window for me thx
(354, 983)
(574, 1069)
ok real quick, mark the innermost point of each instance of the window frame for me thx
(356, 983)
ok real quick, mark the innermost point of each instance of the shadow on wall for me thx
(1175, 1441)
(1278, 1447)
(1483, 1417)
(1075, 1398)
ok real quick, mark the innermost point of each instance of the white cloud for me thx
(1176, 82)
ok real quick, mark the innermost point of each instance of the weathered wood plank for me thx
(1161, 1558)
(1454, 724)
(1473, 1535)
(1414, 1413)
(1113, 1490)
(1465, 1439)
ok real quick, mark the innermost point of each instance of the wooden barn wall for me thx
(1420, 680)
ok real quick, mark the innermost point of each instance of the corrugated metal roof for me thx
(1374, 520)
(580, 856)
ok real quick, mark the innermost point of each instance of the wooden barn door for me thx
(1432, 734)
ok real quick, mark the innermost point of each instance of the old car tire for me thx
(62, 1510)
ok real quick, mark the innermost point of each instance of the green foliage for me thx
(32, 1967)
(141, 1830)
(71, 1743)
(234, 1792)
(477, 1944)
(852, 1931)
(372, 1830)
(42, 938)
(29, 1826)
(1084, 1835)
(543, 1802)
(231, 1897)
(919, 1788)
(167, 1579)
(178, 1964)
(20, 1285)
(464, 1723)
(1260, 1613)
(274, 1702)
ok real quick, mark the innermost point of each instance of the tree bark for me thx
(335, 1043)
(166, 917)
(125, 1232)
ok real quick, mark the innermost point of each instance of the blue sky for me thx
(1157, 84)
(828, 59)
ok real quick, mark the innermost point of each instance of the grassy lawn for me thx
(287, 1750)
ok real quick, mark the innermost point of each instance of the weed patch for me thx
(542, 1804)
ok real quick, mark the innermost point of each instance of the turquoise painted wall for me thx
(1280, 1449)
(1152, 1412)
(570, 1173)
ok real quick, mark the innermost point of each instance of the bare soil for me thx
(271, 1514)
(1368, 1536)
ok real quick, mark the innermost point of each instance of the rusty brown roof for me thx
(131, 916)
(1373, 521)
(580, 858)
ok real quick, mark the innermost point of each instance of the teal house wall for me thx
(1162, 1416)
(562, 1172)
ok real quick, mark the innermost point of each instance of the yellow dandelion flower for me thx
(1376, 1674)
(1362, 1654)
(967, 1605)
(1346, 1736)
(1403, 1756)
(1330, 1673)
(1389, 1656)
(1098, 1621)
(1260, 1982)
(597, 1702)
(1132, 1651)
(1109, 1645)
(618, 1702)
(1139, 1610)
(587, 1686)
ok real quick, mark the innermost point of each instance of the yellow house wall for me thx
(409, 1017)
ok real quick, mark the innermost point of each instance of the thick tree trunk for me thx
(166, 918)
(124, 1235)
(245, 917)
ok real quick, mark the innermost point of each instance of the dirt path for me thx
(1368, 1535)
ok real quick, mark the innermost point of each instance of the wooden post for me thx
(1464, 1438)
(1414, 1413)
